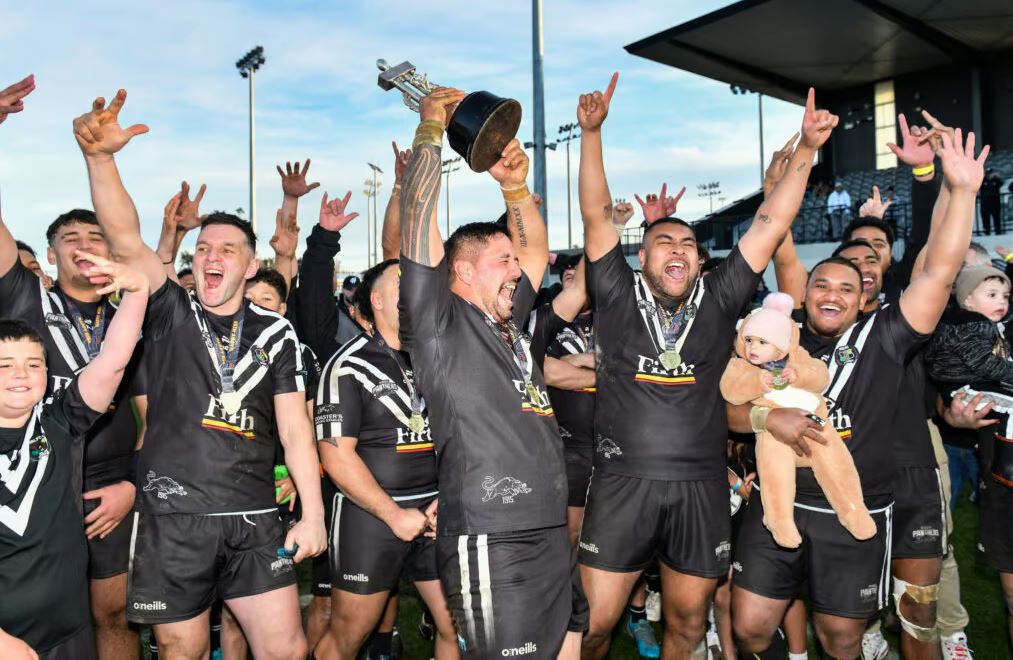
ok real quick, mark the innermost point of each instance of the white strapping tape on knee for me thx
(923, 595)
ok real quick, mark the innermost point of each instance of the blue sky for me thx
(317, 97)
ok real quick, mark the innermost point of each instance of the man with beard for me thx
(504, 558)
(868, 358)
(224, 370)
(659, 486)
(72, 319)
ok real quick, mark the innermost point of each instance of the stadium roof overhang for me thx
(780, 47)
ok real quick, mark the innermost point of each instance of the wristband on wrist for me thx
(758, 418)
(513, 195)
(925, 170)
(1008, 258)
(428, 132)
(396, 190)
(619, 228)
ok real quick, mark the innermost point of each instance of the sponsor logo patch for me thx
(155, 606)
(869, 593)
(530, 647)
(589, 547)
(356, 577)
(260, 356)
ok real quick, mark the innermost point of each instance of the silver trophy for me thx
(482, 124)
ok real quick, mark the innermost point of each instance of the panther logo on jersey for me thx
(607, 447)
(506, 488)
(164, 486)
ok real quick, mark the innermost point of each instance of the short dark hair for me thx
(664, 221)
(854, 242)
(705, 254)
(869, 221)
(16, 330)
(839, 261)
(469, 235)
(365, 289)
(83, 216)
(26, 247)
(180, 274)
(979, 249)
(272, 278)
(222, 218)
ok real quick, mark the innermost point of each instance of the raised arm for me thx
(924, 300)
(568, 303)
(100, 136)
(420, 233)
(101, 378)
(592, 186)
(789, 272)
(284, 242)
(181, 214)
(527, 229)
(776, 213)
(390, 236)
(11, 101)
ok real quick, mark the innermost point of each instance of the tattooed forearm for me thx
(419, 195)
(764, 218)
(522, 235)
(802, 166)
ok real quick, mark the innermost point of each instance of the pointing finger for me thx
(810, 101)
(612, 87)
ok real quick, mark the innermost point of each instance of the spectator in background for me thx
(838, 209)
(28, 259)
(991, 188)
(186, 280)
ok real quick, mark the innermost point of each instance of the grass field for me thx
(980, 594)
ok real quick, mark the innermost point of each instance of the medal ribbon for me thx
(226, 357)
(676, 334)
(92, 337)
(417, 404)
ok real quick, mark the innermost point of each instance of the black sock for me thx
(380, 643)
(637, 613)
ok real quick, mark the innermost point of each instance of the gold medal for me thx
(533, 394)
(416, 424)
(670, 359)
(231, 402)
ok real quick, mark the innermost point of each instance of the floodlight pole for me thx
(538, 80)
(762, 169)
(247, 66)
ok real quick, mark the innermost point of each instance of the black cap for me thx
(565, 262)
(350, 282)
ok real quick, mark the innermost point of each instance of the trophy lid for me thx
(482, 126)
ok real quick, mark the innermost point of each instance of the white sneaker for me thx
(955, 647)
(653, 606)
(874, 646)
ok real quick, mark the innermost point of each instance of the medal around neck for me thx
(670, 359)
(482, 124)
(532, 391)
(231, 402)
(416, 424)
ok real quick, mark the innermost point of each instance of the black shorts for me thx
(846, 577)
(578, 474)
(79, 647)
(366, 557)
(322, 563)
(515, 593)
(110, 556)
(995, 528)
(630, 521)
(180, 563)
(919, 514)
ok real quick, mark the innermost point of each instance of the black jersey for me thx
(198, 456)
(498, 449)
(912, 444)
(574, 408)
(367, 392)
(311, 370)
(66, 325)
(543, 325)
(867, 368)
(43, 553)
(651, 421)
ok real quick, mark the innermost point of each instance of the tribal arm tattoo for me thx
(420, 236)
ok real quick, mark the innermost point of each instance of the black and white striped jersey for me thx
(574, 408)
(498, 449)
(43, 552)
(363, 395)
(109, 444)
(198, 457)
(867, 368)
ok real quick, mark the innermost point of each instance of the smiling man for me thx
(222, 373)
(663, 338)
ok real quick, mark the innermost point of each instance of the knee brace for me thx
(923, 595)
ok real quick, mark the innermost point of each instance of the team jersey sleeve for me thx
(287, 371)
(543, 327)
(900, 340)
(733, 283)
(311, 367)
(524, 300)
(168, 308)
(339, 403)
(69, 411)
(20, 292)
(610, 278)
(424, 302)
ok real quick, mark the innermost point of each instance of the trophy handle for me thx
(410, 101)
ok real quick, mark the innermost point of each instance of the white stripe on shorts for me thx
(462, 560)
(884, 576)
(485, 586)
